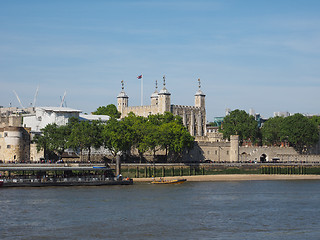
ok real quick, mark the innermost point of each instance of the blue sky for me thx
(263, 55)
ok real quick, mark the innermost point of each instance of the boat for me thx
(173, 181)
(41, 176)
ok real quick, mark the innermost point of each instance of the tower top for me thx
(199, 92)
(164, 91)
(122, 94)
(156, 93)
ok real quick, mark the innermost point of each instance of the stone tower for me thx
(155, 97)
(164, 104)
(122, 99)
(200, 98)
(234, 148)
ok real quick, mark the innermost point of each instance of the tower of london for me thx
(194, 117)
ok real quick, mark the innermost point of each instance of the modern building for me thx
(43, 116)
(194, 117)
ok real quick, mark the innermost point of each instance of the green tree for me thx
(137, 126)
(271, 131)
(54, 138)
(117, 137)
(316, 120)
(85, 135)
(175, 138)
(300, 131)
(238, 122)
(110, 110)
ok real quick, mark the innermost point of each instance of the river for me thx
(193, 210)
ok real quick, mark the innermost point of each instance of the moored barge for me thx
(59, 176)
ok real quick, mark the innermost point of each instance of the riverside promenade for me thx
(237, 177)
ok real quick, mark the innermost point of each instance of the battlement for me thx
(185, 107)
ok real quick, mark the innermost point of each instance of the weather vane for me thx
(156, 84)
(164, 80)
(122, 84)
(199, 83)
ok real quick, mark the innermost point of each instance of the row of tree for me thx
(299, 131)
(161, 131)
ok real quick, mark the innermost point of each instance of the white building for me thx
(89, 117)
(43, 116)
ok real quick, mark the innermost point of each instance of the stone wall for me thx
(144, 111)
(194, 118)
(255, 153)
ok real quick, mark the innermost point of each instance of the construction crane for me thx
(18, 99)
(35, 97)
(62, 100)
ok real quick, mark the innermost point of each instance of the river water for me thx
(193, 210)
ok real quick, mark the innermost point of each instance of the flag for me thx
(139, 77)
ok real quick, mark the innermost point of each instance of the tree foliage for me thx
(240, 123)
(54, 138)
(110, 110)
(161, 131)
(85, 135)
(116, 136)
(298, 130)
(271, 131)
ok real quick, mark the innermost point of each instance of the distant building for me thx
(281, 114)
(89, 117)
(43, 116)
(194, 117)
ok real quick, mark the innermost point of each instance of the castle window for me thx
(227, 152)
(5, 134)
(208, 152)
(8, 146)
(216, 152)
(39, 118)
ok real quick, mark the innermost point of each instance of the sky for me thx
(262, 55)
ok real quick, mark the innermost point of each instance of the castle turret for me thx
(122, 99)
(155, 96)
(200, 97)
(164, 104)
